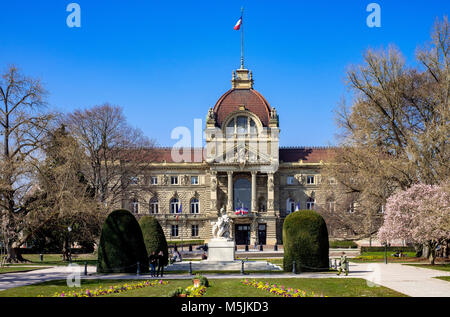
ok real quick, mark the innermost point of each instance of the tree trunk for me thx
(432, 254)
(13, 254)
(66, 254)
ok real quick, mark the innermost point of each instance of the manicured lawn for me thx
(14, 269)
(56, 259)
(379, 257)
(51, 287)
(444, 278)
(333, 287)
(439, 267)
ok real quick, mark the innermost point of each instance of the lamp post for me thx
(69, 229)
(385, 253)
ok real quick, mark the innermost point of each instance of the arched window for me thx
(134, 205)
(242, 125)
(174, 205)
(154, 206)
(290, 206)
(194, 206)
(310, 203)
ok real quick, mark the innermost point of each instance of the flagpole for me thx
(242, 38)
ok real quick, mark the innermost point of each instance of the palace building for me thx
(242, 171)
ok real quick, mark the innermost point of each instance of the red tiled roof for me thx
(307, 154)
(250, 98)
(162, 154)
(288, 154)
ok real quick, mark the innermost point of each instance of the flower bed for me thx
(193, 291)
(112, 289)
(279, 290)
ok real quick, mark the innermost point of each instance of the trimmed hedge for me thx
(154, 237)
(185, 242)
(121, 245)
(389, 249)
(343, 244)
(305, 241)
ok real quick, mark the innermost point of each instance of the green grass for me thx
(439, 267)
(444, 278)
(13, 269)
(56, 259)
(379, 257)
(333, 287)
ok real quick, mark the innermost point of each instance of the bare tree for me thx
(118, 154)
(22, 127)
(65, 199)
(395, 133)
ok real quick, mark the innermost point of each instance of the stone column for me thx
(254, 207)
(214, 206)
(270, 193)
(230, 192)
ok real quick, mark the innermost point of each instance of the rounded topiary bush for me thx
(154, 237)
(121, 245)
(305, 241)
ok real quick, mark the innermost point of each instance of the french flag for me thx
(238, 24)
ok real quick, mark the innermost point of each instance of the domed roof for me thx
(234, 99)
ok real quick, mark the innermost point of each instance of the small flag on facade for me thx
(179, 210)
(238, 24)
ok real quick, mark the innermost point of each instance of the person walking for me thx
(160, 261)
(343, 265)
(153, 258)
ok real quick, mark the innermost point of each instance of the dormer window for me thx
(242, 125)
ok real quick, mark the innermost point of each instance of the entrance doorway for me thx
(262, 228)
(242, 234)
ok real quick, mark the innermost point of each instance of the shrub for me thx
(121, 245)
(343, 244)
(154, 237)
(305, 241)
(203, 280)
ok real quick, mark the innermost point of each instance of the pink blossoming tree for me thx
(420, 214)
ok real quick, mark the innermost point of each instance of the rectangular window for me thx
(310, 179)
(174, 180)
(194, 180)
(195, 230)
(134, 180)
(331, 206)
(153, 180)
(290, 180)
(174, 231)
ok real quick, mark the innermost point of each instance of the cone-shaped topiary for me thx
(154, 237)
(121, 245)
(305, 241)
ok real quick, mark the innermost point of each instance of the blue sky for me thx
(167, 62)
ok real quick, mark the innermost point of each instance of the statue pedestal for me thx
(220, 249)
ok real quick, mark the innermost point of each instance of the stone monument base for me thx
(220, 249)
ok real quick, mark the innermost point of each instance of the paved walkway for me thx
(412, 281)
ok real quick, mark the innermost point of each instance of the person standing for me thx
(153, 260)
(343, 265)
(160, 260)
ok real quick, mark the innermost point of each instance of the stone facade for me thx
(242, 168)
